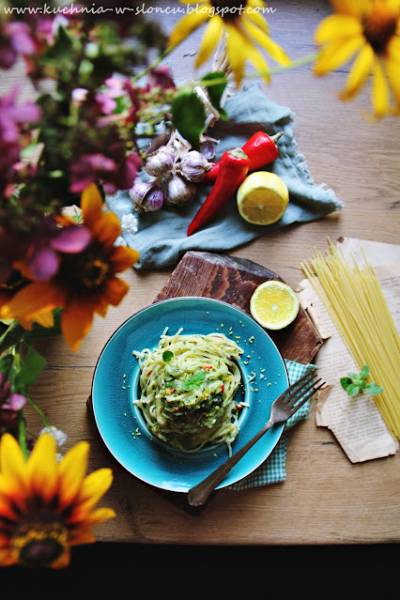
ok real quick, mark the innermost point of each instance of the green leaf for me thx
(194, 382)
(216, 91)
(167, 356)
(373, 389)
(353, 390)
(364, 372)
(30, 368)
(189, 116)
(345, 382)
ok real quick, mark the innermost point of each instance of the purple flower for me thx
(161, 77)
(15, 40)
(13, 118)
(89, 168)
(45, 252)
(10, 404)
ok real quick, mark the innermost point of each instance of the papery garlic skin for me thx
(193, 166)
(160, 163)
(180, 191)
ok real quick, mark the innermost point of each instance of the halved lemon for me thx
(262, 198)
(274, 305)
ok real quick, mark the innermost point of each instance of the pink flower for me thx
(43, 256)
(15, 40)
(161, 77)
(10, 404)
(88, 169)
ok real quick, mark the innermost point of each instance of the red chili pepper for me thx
(261, 150)
(234, 166)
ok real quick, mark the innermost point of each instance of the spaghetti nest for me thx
(188, 384)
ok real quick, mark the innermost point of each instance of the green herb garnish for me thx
(167, 356)
(354, 384)
(194, 382)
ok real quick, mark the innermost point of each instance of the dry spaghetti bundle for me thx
(353, 295)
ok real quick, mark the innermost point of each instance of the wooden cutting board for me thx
(234, 280)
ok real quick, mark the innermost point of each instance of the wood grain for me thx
(325, 499)
(233, 280)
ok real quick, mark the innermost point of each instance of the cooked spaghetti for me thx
(354, 298)
(188, 385)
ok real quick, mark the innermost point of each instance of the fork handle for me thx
(199, 494)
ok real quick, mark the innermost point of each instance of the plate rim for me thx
(167, 301)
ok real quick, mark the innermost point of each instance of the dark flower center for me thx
(86, 272)
(95, 273)
(40, 553)
(379, 28)
(229, 10)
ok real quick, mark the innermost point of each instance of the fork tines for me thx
(303, 389)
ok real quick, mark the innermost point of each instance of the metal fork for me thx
(282, 408)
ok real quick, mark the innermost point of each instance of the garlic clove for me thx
(180, 191)
(194, 165)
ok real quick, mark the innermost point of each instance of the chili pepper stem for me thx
(277, 136)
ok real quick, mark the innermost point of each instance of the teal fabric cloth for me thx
(273, 470)
(161, 237)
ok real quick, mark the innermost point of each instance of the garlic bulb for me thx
(160, 163)
(194, 165)
(180, 191)
(146, 196)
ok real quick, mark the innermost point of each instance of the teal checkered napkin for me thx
(273, 470)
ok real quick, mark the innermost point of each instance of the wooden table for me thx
(325, 500)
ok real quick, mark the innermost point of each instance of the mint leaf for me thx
(364, 372)
(167, 356)
(345, 382)
(215, 91)
(189, 116)
(194, 382)
(373, 389)
(353, 390)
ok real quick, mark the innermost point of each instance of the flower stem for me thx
(22, 435)
(39, 412)
(152, 65)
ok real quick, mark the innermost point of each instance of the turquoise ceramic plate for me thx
(115, 383)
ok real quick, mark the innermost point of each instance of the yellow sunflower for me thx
(244, 26)
(45, 506)
(369, 29)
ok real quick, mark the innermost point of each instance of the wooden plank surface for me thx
(325, 499)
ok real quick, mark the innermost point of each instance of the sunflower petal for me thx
(35, 298)
(91, 204)
(187, 25)
(210, 39)
(359, 73)
(257, 18)
(72, 471)
(7, 558)
(12, 462)
(350, 7)
(93, 488)
(258, 61)
(100, 515)
(82, 536)
(380, 91)
(393, 73)
(235, 52)
(271, 47)
(62, 561)
(106, 229)
(115, 290)
(123, 257)
(42, 467)
(337, 26)
(335, 54)
(45, 318)
(76, 321)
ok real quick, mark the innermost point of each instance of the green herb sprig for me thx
(354, 384)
